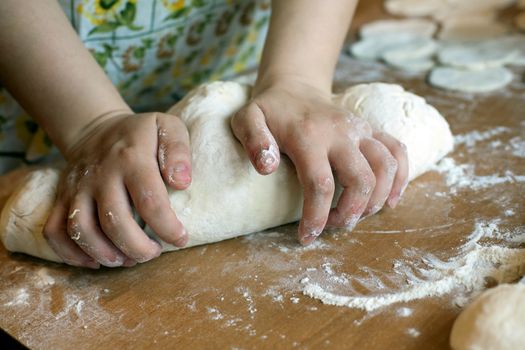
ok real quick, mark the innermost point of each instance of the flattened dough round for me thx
(458, 79)
(495, 320)
(477, 55)
(227, 197)
(417, 27)
(411, 50)
(372, 48)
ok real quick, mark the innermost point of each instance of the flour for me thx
(461, 176)
(464, 274)
(413, 332)
(404, 312)
(471, 138)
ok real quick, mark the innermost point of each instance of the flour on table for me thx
(227, 197)
(464, 274)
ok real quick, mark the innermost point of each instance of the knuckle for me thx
(390, 165)
(322, 185)
(366, 183)
(148, 205)
(127, 154)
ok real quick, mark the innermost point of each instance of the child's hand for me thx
(117, 159)
(301, 121)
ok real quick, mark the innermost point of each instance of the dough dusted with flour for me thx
(458, 79)
(495, 320)
(227, 197)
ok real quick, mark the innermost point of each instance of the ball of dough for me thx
(495, 320)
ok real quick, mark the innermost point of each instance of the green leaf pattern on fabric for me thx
(154, 51)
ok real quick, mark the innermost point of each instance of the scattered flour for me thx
(465, 274)
(404, 312)
(460, 176)
(413, 332)
(471, 138)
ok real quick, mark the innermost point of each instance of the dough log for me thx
(227, 197)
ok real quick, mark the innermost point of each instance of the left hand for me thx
(301, 121)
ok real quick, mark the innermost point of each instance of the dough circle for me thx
(495, 320)
(227, 197)
(417, 27)
(477, 55)
(458, 79)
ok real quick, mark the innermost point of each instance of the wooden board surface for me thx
(247, 292)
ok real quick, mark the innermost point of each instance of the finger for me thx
(150, 198)
(83, 229)
(117, 223)
(315, 175)
(399, 151)
(384, 166)
(55, 233)
(358, 181)
(173, 152)
(249, 126)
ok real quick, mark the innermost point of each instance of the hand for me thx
(120, 157)
(301, 121)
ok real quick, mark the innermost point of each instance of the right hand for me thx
(118, 158)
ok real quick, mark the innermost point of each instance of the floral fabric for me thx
(154, 51)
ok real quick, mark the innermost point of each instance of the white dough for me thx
(411, 65)
(417, 27)
(495, 320)
(478, 55)
(458, 79)
(227, 197)
(416, 49)
(372, 48)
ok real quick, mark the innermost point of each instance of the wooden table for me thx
(246, 292)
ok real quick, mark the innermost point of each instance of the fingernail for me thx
(183, 239)
(180, 173)
(129, 262)
(117, 261)
(310, 236)
(180, 168)
(266, 158)
(371, 211)
(393, 201)
(351, 222)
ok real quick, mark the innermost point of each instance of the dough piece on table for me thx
(372, 48)
(227, 197)
(467, 29)
(416, 27)
(478, 55)
(416, 65)
(458, 79)
(412, 50)
(495, 320)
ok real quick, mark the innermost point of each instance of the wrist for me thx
(85, 129)
(292, 81)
